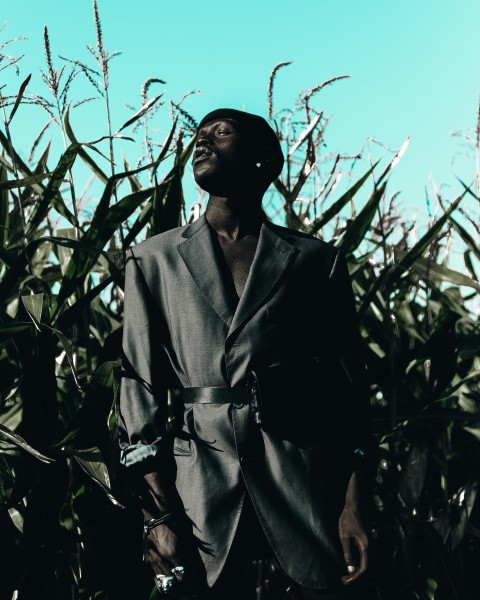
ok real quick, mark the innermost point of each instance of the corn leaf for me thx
(143, 110)
(431, 269)
(19, 97)
(18, 440)
(65, 252)
(17, 518)
(73, 312)
(473, 246)
(91, 461)
(331, 212)
(305, 133)
(394, 160)
(104, 222)
(26, 181)
(417, 251)
(81, 152)
(51, 194)
(4, 211)
(33, 303)
(16, 160)
(356, 230)
(8, 331)
(104, 375)
(135, 185)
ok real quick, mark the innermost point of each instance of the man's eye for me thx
(223, 131)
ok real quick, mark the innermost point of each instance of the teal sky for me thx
(414, 66)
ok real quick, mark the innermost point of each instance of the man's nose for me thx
(204, 139)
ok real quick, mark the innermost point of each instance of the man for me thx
(268, 470)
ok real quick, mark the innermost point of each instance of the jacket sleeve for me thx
(353, 379)
(143, 389)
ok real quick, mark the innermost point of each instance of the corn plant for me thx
(421, 341)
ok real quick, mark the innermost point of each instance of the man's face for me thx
(223, 157)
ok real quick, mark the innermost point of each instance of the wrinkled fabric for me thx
(181, 329)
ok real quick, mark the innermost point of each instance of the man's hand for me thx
(170, 544)
(163, 550)
(353, 536)
(168, 547)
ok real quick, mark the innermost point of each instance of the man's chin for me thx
(211, 180)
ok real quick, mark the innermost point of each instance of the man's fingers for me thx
(355, 568)
(346, 542)
(362, 546)
(163, 558)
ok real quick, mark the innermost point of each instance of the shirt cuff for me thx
(139, 455)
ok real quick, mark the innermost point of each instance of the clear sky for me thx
(414, 66)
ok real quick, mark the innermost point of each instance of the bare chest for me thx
(239, 255)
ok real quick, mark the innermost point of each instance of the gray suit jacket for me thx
(182, 328)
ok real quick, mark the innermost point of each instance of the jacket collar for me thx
(192, 228)
(271, 259)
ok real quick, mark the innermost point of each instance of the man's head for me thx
(235, 150)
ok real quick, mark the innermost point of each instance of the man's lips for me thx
(202, 153)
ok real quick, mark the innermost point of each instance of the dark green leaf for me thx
(104, 376)
(19, 441)
(356, 230)
(467, 259)
(392, 273)
(25, 181)
(7, 331)
(4, 211)
(431, 269)
(65, 252)
(51, 194)
(135, 185)
(16, 160)
(473, 246)
(81, 152)
(34, 305)
(16, 517)
(91, 461)
(99, 232)
(145, 108)
(103, 225)
(337, 206)
(19, 97)
(73, 312)
(68, 352)
(417, 251)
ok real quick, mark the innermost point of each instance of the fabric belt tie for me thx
(238, 396)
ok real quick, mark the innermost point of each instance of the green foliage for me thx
(62, 504)
(421, 335)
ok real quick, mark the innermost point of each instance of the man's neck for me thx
(234, 218)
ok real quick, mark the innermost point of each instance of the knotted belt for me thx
(238, 396)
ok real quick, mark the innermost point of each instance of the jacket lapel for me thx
(271, 259)
(199, 254)
(200, 257)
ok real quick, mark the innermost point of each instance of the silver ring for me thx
(178, 572)
(164, 583)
